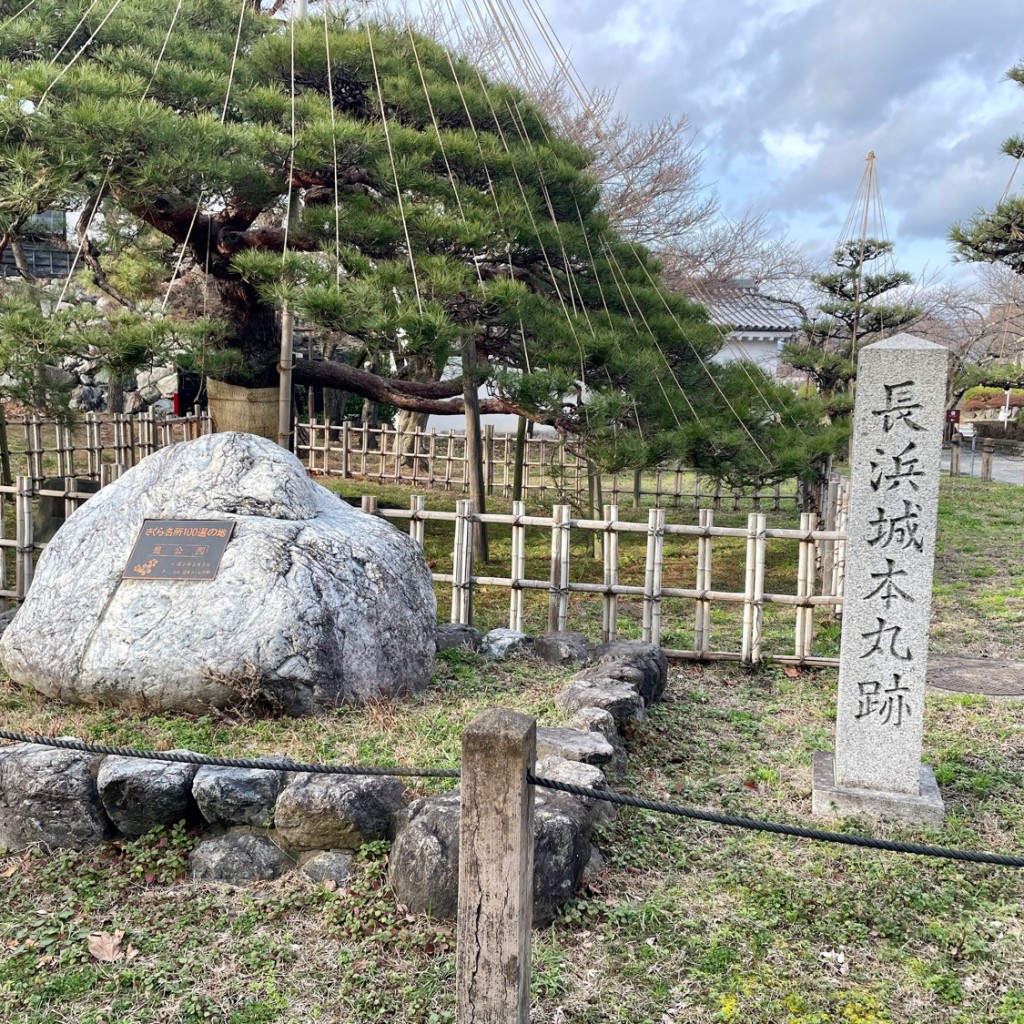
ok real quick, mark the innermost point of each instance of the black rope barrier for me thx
(607, 795)
(281, 764)
(842, 838)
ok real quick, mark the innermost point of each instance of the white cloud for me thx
(790, 148)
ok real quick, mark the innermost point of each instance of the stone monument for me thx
(311, 604)
(876, 770)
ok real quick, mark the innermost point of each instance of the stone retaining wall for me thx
(257, 824)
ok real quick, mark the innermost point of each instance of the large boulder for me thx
(314, 604)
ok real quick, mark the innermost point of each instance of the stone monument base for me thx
(828, 799)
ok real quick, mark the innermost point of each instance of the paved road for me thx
(1006, 469)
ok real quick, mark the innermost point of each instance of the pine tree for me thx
(852, 313)
(458, 218)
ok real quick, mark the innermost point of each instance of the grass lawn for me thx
(689, 923)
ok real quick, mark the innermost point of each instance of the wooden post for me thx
(987, 451)
(492, 955)
(954, 456)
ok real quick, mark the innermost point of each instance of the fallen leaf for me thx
(12, 870)
(131, 953)
(106, 946)
(791, 672)
(330, 885)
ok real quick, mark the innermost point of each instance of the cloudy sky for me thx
(790, 95)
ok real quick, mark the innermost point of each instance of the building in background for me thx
(42, 240)
(758, 325)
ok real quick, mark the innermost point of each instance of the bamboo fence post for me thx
(488, 456)
(364, 446)
(133, 452)
(736, 499)
(842, 520)
(804, 627)
(417, 524)
(417, 449)
(696, 491)
(716, 497)
(346, 450)
(753, 591)
(92, 447)
(777, 496)
(23, 533)
(653, 572)
(702, 613)
(610, 604)
(518, 573)
(368, 504)
(506, 466)
(431, 455)
(558, 599)
(4, 498)
(462, 564)
(831, 493)
(398, 442)
(35, 454)
(65, 452)
(492, 953)
(448, 458)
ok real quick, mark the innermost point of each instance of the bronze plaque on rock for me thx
(178, 549)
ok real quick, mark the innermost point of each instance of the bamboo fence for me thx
(818, 583)
(103, 447)
(551, 469)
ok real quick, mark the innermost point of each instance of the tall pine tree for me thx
(439, 209)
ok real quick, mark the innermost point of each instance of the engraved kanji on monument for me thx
(876, 770)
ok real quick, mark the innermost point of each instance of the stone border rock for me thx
(257, 824)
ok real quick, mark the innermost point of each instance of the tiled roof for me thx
(743, 308)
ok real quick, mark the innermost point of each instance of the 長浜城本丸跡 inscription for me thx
(894, 477)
